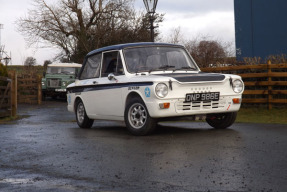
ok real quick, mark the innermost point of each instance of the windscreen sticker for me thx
(147, 92)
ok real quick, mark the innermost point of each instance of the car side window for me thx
(92, 67)
(112, 63)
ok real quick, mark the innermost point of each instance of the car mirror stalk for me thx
(111, 77)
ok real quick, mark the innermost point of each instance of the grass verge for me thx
(8, 120)
(262, 115)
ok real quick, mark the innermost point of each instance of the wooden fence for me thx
(264, 83)
(23, 88)
(29, 88)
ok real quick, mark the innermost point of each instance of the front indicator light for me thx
(164, 105)
(236, 100)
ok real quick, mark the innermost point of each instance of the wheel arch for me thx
(77, 99)
(143, 124)
(132, 95)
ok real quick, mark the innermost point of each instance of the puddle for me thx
(15, 181)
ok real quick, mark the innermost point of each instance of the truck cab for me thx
(57, 77)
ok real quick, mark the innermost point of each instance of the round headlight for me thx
(161, 90)
(237, 86)
(43, 83)
(64, 83)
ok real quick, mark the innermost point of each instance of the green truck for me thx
(57, 77)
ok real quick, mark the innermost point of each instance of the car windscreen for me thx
(157, 58)
(61, 70)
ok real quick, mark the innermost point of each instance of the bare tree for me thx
(79, 26)
(208, 52)
(175, 36)
(30, 61)
(204, 49)
(46, 63)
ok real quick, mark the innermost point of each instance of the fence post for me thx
(39, 83)
(269, 85)
(14, 94)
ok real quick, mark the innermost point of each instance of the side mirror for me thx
(111, 77)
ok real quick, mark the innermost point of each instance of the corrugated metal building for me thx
(260, 28)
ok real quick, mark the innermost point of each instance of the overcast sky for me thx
(213, 18)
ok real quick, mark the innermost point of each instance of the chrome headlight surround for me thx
(64, 83)
(161, 90)
(237, 86)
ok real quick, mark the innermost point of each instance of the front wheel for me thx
(82, 119)
(221, 120)
(137, 118)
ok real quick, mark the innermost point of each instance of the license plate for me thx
(211, 96)
(60, 90)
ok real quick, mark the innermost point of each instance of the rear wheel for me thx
(82, 119)
(221, 120)
(137, 118)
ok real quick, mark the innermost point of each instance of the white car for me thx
(143, 83)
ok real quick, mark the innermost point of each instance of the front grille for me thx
(54, 83)
(182, 106)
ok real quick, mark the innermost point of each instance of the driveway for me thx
(46, 151)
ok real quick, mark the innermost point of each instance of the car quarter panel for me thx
(105, 99)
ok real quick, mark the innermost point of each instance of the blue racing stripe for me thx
(87, 88)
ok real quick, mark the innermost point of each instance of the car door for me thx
(104, 99)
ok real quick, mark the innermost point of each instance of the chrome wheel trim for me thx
(137, 115)
(80, 112)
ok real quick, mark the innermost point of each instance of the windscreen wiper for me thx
(186, 69)
(165, 67)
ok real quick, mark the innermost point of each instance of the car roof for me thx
(64, 65)
(128, 45)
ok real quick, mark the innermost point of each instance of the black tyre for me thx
(137, 118)
(221, 120)
(82, 119)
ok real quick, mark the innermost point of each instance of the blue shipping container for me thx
(260, 28)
